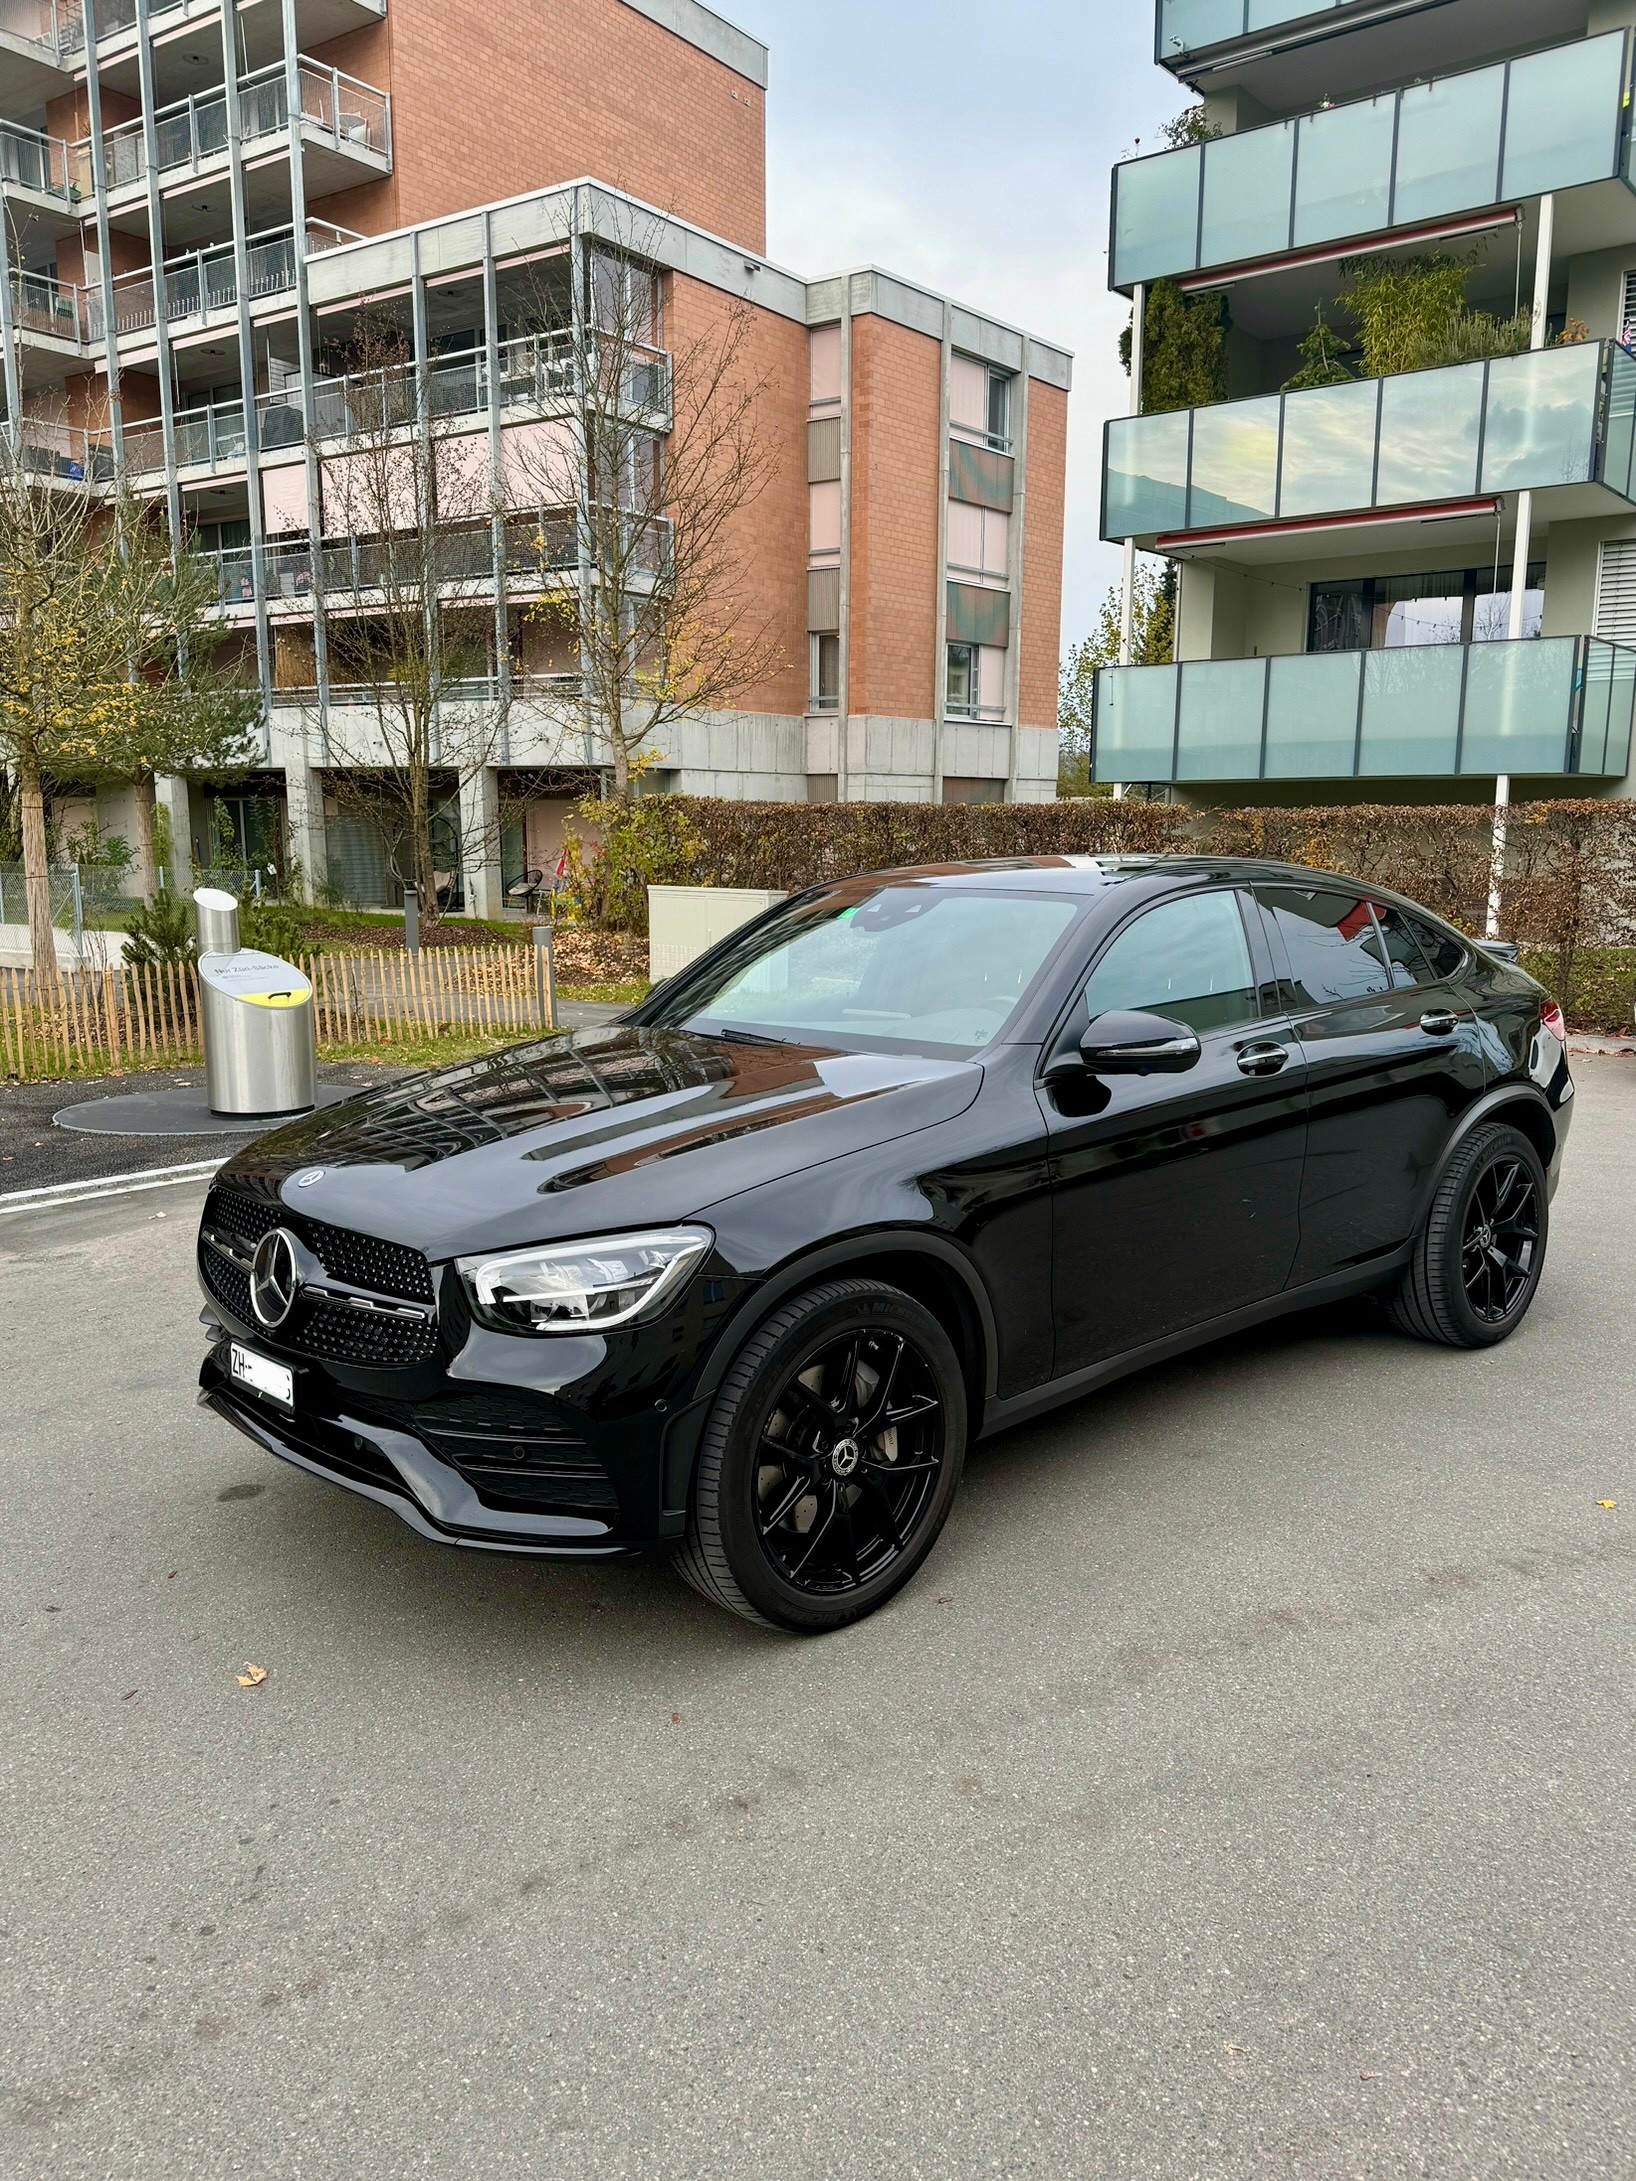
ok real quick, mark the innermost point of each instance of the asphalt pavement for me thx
(1245, 1788)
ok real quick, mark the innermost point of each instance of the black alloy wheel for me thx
(1501, 1239)
(830, 1461)
(1481, 1250)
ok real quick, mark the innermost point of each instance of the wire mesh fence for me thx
(95, 1020)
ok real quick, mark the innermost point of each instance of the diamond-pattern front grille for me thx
(328, 1328)
(362, 1260)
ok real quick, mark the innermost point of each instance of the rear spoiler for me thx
(1503, 950)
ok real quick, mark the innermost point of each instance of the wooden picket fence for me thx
(94, 1020)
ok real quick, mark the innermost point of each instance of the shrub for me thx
(277, 928)
(682, 840)
(160, 932)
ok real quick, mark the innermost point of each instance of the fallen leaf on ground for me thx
(252, 1676)
(1608, 1503)
(675, 1718)
(1369, 2077)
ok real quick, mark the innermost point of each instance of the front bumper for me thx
(621, 1495)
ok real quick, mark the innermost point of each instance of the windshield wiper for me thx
(745, 1037)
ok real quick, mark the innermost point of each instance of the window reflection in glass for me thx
(1333, 947)
(1186, 960)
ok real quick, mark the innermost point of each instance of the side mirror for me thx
(1123, 1043)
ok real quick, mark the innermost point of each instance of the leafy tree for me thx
(1184, 353)
(1152, 644)
(106, 643)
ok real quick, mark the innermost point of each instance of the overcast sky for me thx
(967, 147)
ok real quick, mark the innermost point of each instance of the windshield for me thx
(903, 966)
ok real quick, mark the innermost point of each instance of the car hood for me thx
(586, 1134)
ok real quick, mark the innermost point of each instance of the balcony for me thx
(317, 21)
(53, 311)
(46, 178)
(537, 374)
(346, 130)
(62, 454)
(1559, 706)
(1551, 121)
(36, 44)
(1290, 55)
(1559, 421)
(203, 283)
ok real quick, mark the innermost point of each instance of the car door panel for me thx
(1389, 1069)
(1176, 1197)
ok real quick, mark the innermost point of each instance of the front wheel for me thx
(830, 1460)
(1479, 1256)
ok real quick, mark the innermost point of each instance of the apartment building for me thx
(1416, 586)
(204, 198)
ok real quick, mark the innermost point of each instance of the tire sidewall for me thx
(1505, 1144)
(773, 1598)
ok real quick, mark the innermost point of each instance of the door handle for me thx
(1263, 1059)
(1439, 1022)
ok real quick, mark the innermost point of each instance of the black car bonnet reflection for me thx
(629, 1123)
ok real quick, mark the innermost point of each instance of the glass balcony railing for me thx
(1193, 26)
(537, 371)
(193, 133)
(1560, 416)
(1550, 121)
(1557, 705)
(61, 451)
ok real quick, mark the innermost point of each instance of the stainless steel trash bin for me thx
(260, 1037)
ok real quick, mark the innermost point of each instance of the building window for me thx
(824, 525)
(975, 688)
(1400, 613)
(979, 544)
(824, 358)
(967, 790)
(826, 673)
(980, 403)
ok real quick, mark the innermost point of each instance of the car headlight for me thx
(576, 1287)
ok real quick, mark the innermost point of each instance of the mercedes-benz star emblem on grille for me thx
(275, 1280)
(306, 1180)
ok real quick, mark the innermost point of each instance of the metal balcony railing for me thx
(1558, 416)
(40, 304)
(52, 24)
(61, 451)
(191, 134)
(1553, 705)
(208, 437)
(42, 164)
(537, 371)
(203, 281)
(1549, 121)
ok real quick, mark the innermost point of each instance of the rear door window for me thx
(1330, 938)
(1405, 957)
(1446, 954)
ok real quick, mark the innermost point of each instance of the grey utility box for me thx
(260, 1035)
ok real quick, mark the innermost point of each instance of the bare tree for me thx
(107, 642)
(666, 455)
(416, 707)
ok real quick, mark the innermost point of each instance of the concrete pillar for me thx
(304, 802)
(480, 842)
(171, 795)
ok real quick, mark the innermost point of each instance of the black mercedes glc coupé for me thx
(905, 1161)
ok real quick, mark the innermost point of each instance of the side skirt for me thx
(1001, 1415)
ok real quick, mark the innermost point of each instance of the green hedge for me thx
(1569, 894)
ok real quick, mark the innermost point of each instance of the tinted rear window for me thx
(1333, 947)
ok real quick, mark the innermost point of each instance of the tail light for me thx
(1551, 1018)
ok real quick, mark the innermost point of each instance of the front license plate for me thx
(273, 1381)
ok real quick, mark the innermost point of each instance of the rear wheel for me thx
(830, 1461)
(1478, 1259)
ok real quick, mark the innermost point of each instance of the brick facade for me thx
(602, 90)
(897, 407)
(1042, 554)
